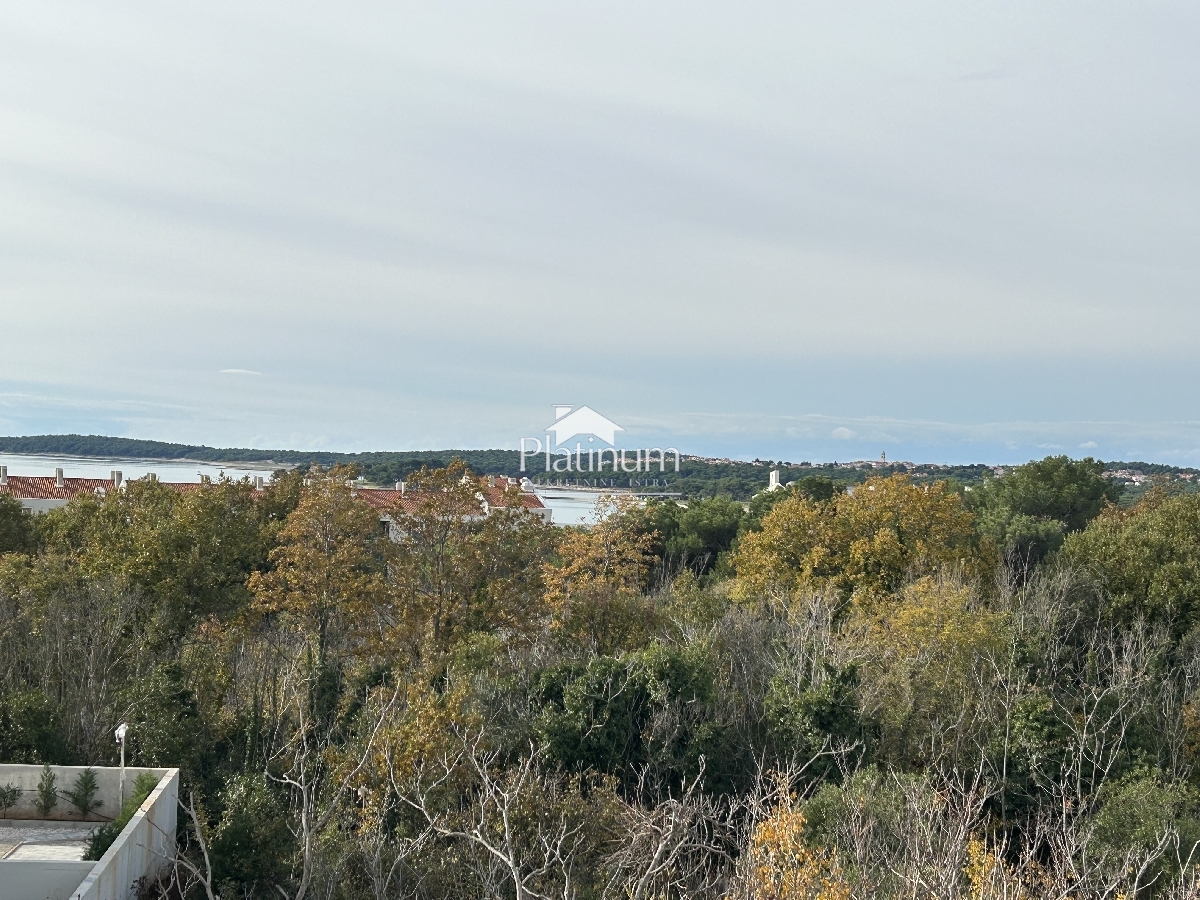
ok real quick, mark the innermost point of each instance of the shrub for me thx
(47, 792)
(83, 794)
(102, 838)
(9, 795)
(252, 845)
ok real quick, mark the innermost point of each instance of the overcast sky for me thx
(789, 230)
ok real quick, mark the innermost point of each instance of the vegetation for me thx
(886, 688)
(10, 794)
(103, 837)
(83, 793)
(47, 792)
(698, 477)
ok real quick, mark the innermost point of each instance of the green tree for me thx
(815, 488)
(31, 728)
(104, 836)
(1147, 560)
(863, 545)
(9, 795)
(191, 551)
(83, 793)
(1028, 512)
(252, 844)
(327, 571)
(455, 572)
(47, 792)
(16, 526)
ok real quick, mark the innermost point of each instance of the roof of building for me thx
(26, 487)
(494, 491)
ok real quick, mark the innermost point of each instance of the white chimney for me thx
(258, 482)
(3, 474)
(402, 485)
(116, 478)
(491, 481)
(58, 478)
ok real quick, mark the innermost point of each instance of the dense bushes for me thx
(893, 691)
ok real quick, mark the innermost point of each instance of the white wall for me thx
(41, 506)
(144, 849)
(107, 780)
(35, 879)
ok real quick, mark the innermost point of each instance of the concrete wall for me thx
(107, 779)
(144, 849)
(35, 879)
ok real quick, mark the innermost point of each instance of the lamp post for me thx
(122, 730)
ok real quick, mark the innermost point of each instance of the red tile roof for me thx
(25, 487)
(410, 501)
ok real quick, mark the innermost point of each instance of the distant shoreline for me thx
(697, 477)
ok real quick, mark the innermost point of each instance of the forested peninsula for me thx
(904, 689)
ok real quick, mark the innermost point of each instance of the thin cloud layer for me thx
(430, 223)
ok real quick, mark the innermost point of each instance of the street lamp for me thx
(122, 730)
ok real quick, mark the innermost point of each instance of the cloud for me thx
(863, 208)
(1088, 445)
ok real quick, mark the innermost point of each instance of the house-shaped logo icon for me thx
(570, 422)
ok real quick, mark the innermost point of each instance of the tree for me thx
(16, 526)
(595, 583)
(47, 792)
(9, 795)
(1147, 560)
(327, 572)
(815, 488)
(252, 845)
(190, 551)
(455, 571)
(782, 866)
(1029, 510)
(83, 793)
(918, 654)
(863, 545)
(694, 537)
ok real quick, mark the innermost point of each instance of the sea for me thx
(569, 507)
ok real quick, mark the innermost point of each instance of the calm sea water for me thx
(570, 507)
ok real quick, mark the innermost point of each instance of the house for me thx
(493, 493)
(39, 494)
(42, 493)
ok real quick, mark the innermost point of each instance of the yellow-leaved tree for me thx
(595, 583)
(326, 576)
(455, 571)
(863, 545)
(921, 656)
(780, 865)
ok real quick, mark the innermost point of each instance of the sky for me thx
(945, 232)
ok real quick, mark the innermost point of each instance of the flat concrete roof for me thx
(32, 839)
